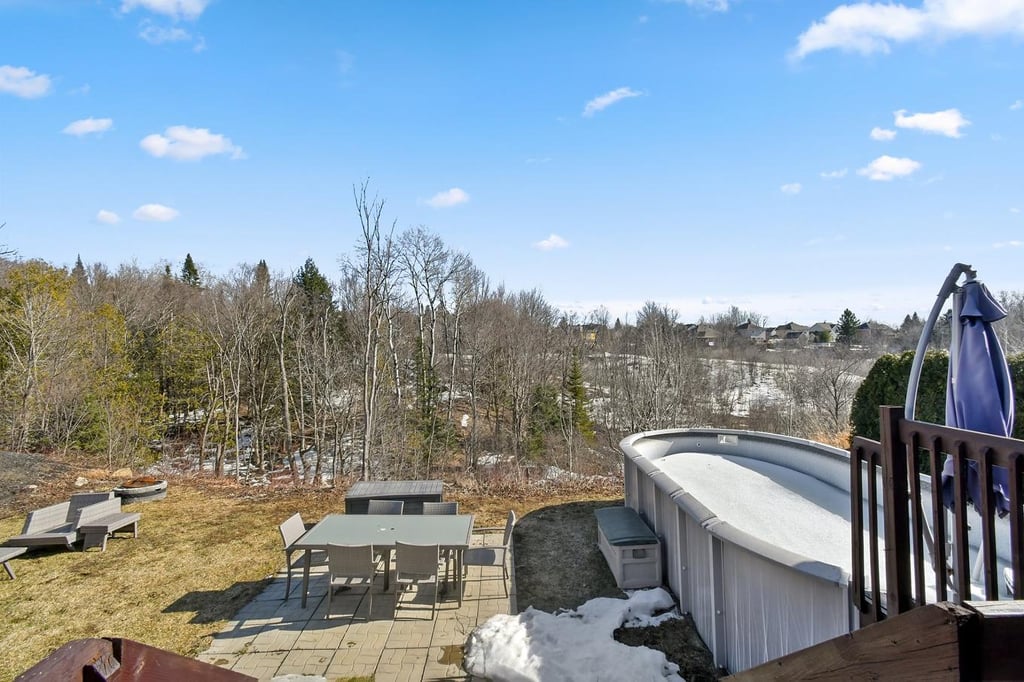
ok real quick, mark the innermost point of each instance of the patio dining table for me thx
(451, 532)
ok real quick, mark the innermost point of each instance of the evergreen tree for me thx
(576, 400)
(847, 330)
(261, 276)
(316, 289)
(78, 272)
(544, 417)
(189, 272)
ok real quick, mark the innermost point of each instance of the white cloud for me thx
(791, 188)
(886, 168)
(552, 242)
(706, 5)
(448, 198)
(176, 9)
(609, 98)
(88, 126)
(80, 90)
(189, 144)
(108, 217)
(1017, 105)
(1014, 210)
(882, 134)
(158, 35)
(1013, 244)
(642, 19)
(869, 27)
(23, 82)
(947, 122)
(834, 175)
(155, 213)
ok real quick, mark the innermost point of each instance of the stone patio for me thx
(272, 636)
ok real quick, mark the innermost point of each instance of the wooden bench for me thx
(8, 553)
(99, 521)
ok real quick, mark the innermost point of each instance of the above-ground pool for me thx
(755, 529)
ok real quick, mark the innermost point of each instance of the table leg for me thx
(458, 573)
(305, 575)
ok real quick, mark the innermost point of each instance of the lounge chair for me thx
(8, 553)
(57, 524)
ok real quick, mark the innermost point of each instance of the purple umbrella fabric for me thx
(981, 397)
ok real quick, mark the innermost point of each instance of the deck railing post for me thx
(896, 508)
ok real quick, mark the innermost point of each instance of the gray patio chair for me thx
(416, 565)
(439, 508)
(492, 555)
(291, 530)
(385, 507)
(347, 566)
(432, 508)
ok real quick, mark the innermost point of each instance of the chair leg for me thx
(330, 593)
(10, 571)
(288, 570)
(437, 588)
(504, 580)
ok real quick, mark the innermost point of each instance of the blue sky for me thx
(791, 157)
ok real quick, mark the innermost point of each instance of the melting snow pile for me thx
(572, 645)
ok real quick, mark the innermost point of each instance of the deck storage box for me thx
(630, 547)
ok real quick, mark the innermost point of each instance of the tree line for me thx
(407, 362)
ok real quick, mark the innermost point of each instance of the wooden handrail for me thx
(906, 522)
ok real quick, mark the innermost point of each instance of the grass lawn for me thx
(202, 553)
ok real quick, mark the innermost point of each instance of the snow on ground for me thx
(572, 645)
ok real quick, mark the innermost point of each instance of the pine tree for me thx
(576, 400)
(189, 272)
(315, 288)
(261, 276)
(847, 327)
(78, 272)
(544, 417)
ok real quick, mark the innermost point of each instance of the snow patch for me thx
(572, 645)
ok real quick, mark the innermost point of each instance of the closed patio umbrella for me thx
(979, 392)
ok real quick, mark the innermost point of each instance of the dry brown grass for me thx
(202, 553)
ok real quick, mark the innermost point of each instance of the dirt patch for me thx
(19, 470)
(559, 566)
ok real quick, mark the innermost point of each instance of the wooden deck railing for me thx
(906, 522)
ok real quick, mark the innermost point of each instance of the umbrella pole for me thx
(949, 285)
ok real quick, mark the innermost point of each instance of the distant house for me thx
(874, 331)
(822, 332)
(707, 334)
(790, 333)
(752, 332)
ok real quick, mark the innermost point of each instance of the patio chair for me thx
(492, 555)
(416, 565)
(349, 565)
(433, 508)
(291, 530)
(394, 507)
(441, 508)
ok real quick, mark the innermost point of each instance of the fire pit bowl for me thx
(142, 489)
